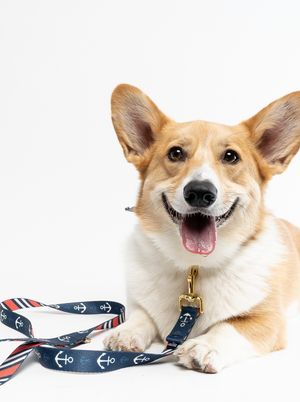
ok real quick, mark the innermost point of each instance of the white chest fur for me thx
(155, 282)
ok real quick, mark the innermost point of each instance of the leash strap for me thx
(58, 353)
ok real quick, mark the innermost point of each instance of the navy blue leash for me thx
(58, 353)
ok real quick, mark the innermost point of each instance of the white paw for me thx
(199, 355)
(120, 339)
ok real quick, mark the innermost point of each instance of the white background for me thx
(64, 183)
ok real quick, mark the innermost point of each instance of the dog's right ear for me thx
(137, 121)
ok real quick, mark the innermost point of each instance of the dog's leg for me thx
(135, 335)
(258, 332)
(220, 347)
(230, 342)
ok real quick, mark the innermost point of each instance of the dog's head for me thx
(202, 181)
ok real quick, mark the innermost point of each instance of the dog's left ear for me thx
(137, 121)
(275, 131)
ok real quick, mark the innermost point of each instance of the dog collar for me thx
(129, 209)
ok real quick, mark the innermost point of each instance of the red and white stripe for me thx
(9, 367)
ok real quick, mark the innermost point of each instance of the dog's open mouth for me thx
(198, 231)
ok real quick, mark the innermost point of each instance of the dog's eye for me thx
(175, 154)
(231, 157)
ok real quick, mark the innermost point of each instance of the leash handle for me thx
(58, 353)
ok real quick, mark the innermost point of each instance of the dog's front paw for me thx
(199, 355)
(135, 335)
(125, 340)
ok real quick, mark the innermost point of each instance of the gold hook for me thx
(191, 279)
(191, 297)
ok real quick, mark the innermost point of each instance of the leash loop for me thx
(59, 353)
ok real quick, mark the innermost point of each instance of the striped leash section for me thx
(59, 353)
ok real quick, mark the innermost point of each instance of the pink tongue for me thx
(199, 234)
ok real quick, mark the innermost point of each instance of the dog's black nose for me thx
(200, 193)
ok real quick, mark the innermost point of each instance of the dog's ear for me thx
(275, 131)
(136, 119)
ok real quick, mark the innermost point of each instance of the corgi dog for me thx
(201, 202)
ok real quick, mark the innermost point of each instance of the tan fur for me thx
(265, 325)
(194, 135)
(204, 143)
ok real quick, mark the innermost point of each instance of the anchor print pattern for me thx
(56, 354)
(141, 359)
(54, 357)
(107, 361)
(65, 359)
(80, 308)
(185, 319)
(106, 307)
(19, 323)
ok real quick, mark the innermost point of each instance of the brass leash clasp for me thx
(191, 297)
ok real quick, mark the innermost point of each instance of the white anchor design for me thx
(19, 323)
(66, 359)
(141, 358)
(64, 338)
(80, 307)
(3, 316)
(185, 316)
(105, 307)
(184, 321)
(108, 360)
